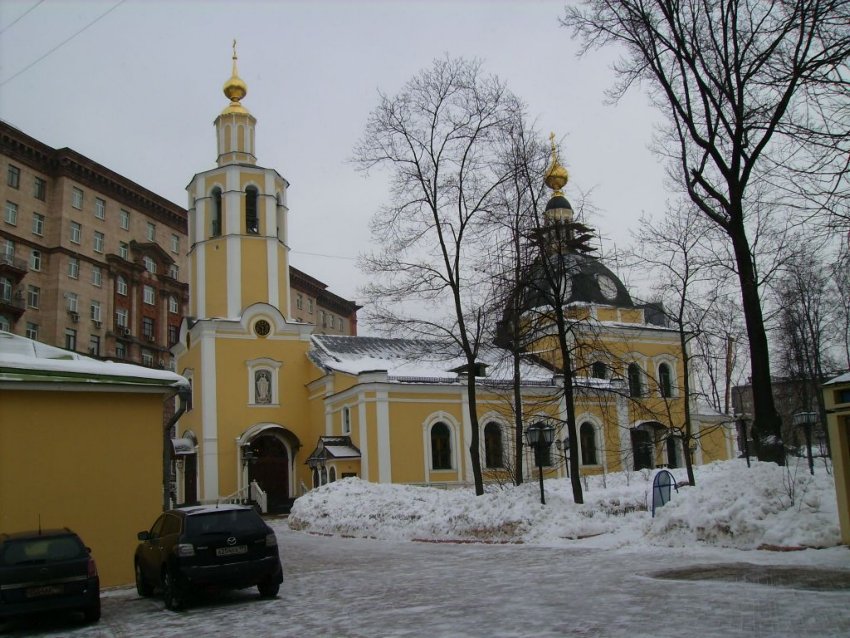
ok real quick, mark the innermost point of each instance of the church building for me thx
(279, 407)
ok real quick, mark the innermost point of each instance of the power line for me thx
(63, 43)
(302, 252)
(24, 14)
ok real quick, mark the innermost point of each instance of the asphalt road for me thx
(363, 587)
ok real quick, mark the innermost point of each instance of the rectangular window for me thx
(173, 334)
(39, 188)
(71, 301)
(8, 252)
(37, 224)
(98, 242)
(124, 250)
(33, 295)
(74, 268)
(149, 296)
(11, 214)
(76, 198)
(174, 271)
(147, 328)
(150, 264)
(32, 331)
(310, 306)
(35, 260)
(151, 232)
(13, 177)
(5, 289)
(121, 317)
(70, 339)
(99, 208)
(147, 358)
(95, 311)
(120, 351)
(173, 307)
(94, 345)
(175, 244)
(299, 301)
(76, 232)
(125, 219)
(96, 276)
(121, 286)
(346, 421)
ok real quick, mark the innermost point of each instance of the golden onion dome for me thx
(556, 176)
(235, 89)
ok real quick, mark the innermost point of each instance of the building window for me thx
(73, 268)
(121, 285)
(71, 301)
(599, 370)
(346, 420)
(173, 306)
(5, 324)
(76, 232)
(441, 447)
(149, 296)
(174, 271)
(148, 328)
(13, 177)
(39, 188)
(635, 380)
(95, 311)
(493, 445)
(120, 350)
(99, 208)
(5, 289)
(8, 254)
(98, 242)
(151, 231)
(35, 260)
(11, 214)
(121, 317)
(150, 264)
(175, 244)
(665, 380)
(147, 358)
(32, 331)
(96, 276)
(33, 296)
(124, 217)
(310, 306)
(77, 198)
(262, 386)
(587, 436)
(70, 339)
(94, 345)
(339, 323)
(123, 250)
(37, 224)
(173, 335)
(215, 231)
(299, 301)
(252, 222)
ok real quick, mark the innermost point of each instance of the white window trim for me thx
(271, 365)
(454, 429)
(671, 363)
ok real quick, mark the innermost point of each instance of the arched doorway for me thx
(644, 440)
(270, 469)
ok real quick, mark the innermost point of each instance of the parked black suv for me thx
(195, 548)
(47, 570)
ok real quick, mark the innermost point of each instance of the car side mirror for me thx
(88, 549)
(144, 536)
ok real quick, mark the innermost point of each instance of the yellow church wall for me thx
(254, 258)
(215, 256)
(90, 461)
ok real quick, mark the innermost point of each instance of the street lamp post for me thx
(742, 421)
(806, 420)
(539, 436)
(564, 447)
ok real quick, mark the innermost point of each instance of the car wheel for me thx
(268, 589)
(172, 592)
(142, 587)
(92, 613)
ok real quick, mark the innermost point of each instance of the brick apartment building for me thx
(92, 262)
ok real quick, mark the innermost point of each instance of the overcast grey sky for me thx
(137, 85)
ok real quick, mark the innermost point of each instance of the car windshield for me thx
(224, 522)
(30, 551)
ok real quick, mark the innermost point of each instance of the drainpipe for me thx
(182, 401)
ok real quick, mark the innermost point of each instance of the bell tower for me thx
(238, 245)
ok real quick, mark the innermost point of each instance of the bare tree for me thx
(748, 86)
(440, 137)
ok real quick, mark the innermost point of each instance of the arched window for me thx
(216, 213)
(674, 444)
(441, 447)
(588, 444)
(332, 475)
(315, 477)
(493, 445)
(635, 380)
(324, 476)
(252, 222)
(599, 370)
(665, 380)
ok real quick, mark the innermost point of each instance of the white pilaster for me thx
(362, 432)
(463, 455)
(207, 370)
(384, 459)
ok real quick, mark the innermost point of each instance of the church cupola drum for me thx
(239, 252)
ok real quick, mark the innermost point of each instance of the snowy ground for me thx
(615, 583)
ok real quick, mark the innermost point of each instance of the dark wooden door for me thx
(271, 469)
(190, 478)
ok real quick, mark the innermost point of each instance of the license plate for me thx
(231, 551)
(44, 590)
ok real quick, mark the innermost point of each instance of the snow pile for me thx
(730, 506)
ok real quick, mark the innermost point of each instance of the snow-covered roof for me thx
(841, 378)
(415, 360)
(25, 360)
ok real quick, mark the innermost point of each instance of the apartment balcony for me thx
(13, 268)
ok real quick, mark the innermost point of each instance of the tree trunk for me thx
(474, 441)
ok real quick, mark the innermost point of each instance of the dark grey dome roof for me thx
(558, 201)
(590, 282)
